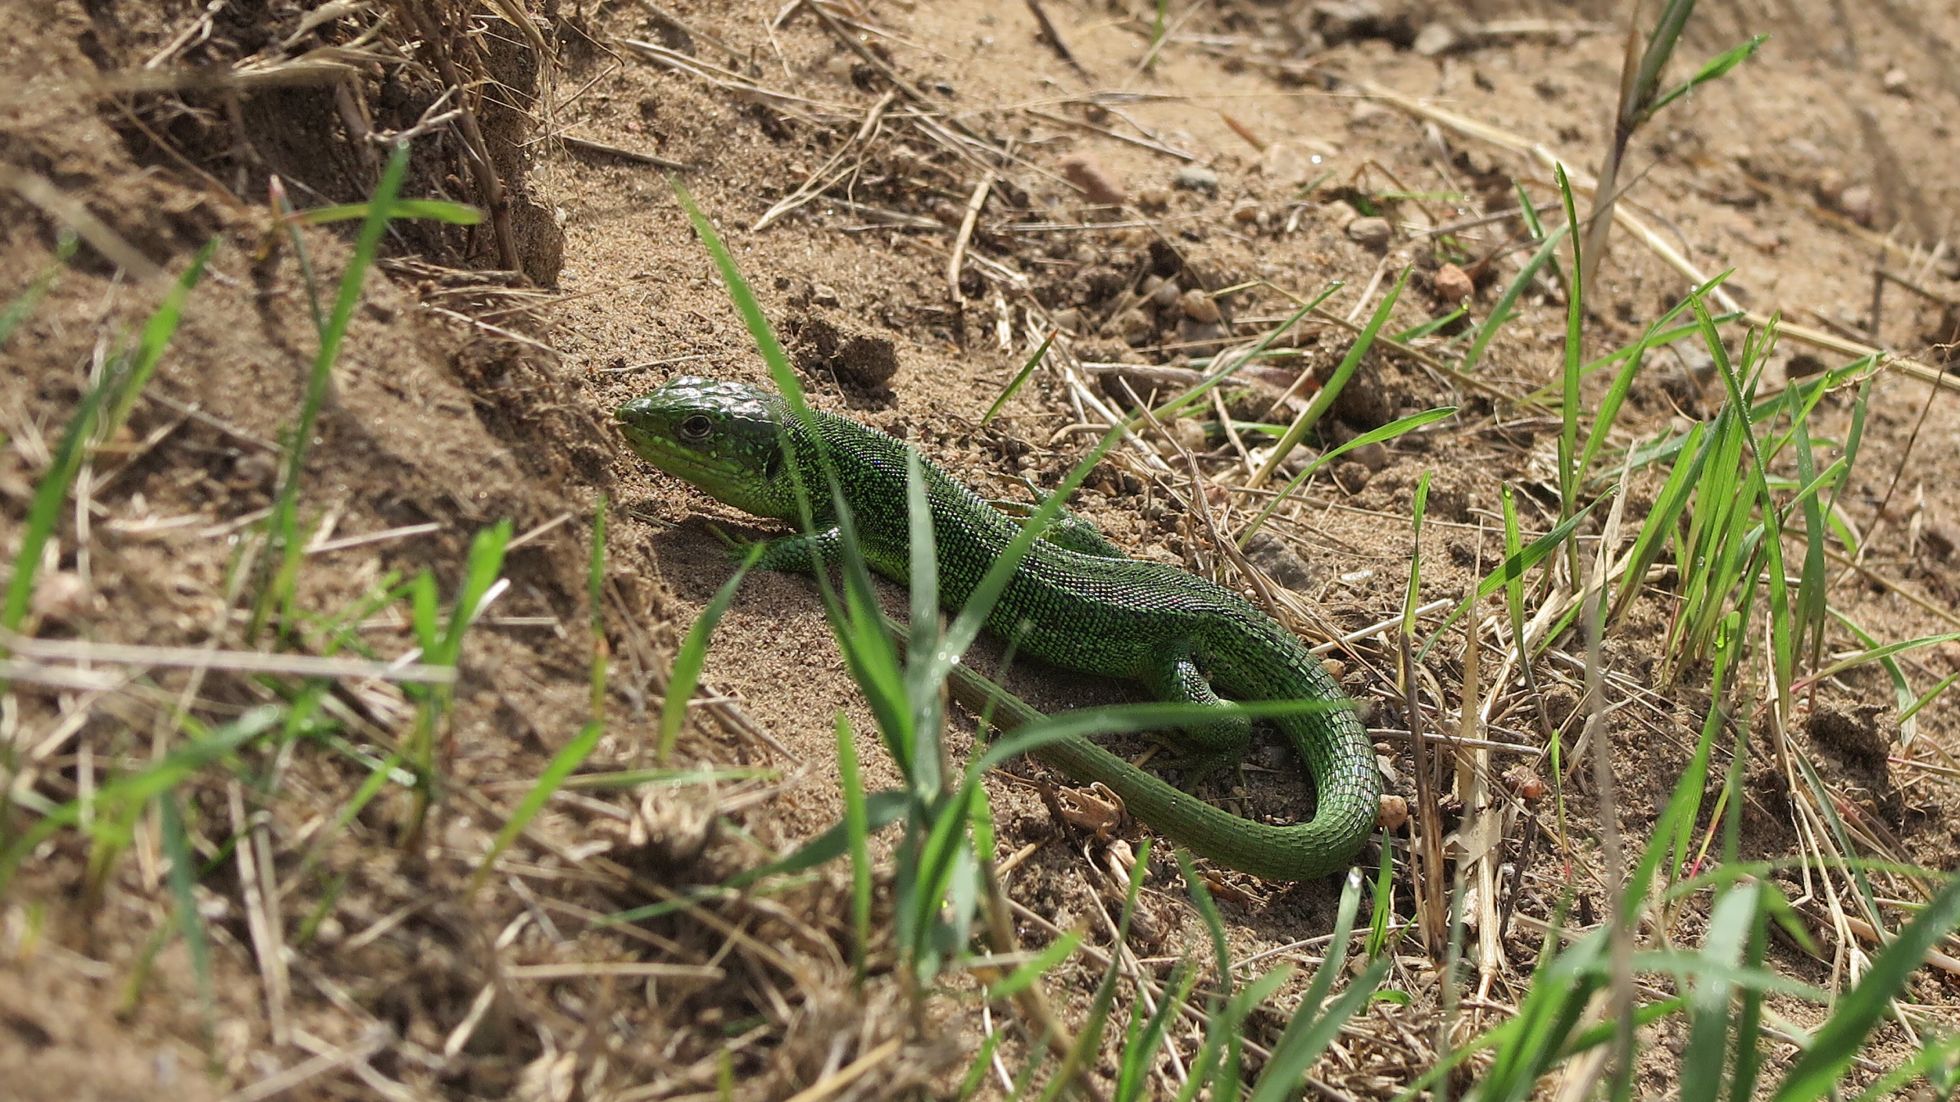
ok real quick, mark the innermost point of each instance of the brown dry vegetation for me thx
(920, 193)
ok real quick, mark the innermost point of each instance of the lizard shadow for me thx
(694, 562)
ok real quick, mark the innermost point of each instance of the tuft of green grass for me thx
(1331, 389)
(1642, 96)
(693, 654)
(283, 525)
(105, 404)
(441, 639)
(22, 306)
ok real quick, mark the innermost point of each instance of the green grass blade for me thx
(480, 572)
(1020, 377)
(142, 363)
(562, 765)
(283, 522)
(1390, 431)
(190, 923)
(1500, 311)
(1031, 970)
(1568, 437)
(44, 512)
(1314, 1025)
(693, 653)
(136, 790)
(1337, 382)
(922, 689)
(1513, 567)
(1171, 408)
(1713, 69)
(857, 834)
(1832, 1047)
(30, 296)
(428, 210)
(1417, 332)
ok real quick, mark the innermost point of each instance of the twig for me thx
(1054, 39)
(958, 259)
(591, 146)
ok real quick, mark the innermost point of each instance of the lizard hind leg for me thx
(797, 554)
(1209, 744)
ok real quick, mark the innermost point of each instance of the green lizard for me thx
(1074, 601)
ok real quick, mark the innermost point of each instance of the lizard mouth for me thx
(721, 466)
(669, 455)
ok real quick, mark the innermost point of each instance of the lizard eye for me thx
(695, 427)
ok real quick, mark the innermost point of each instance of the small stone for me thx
(1453, 285)
(62, 597)
(1829, 187)
(1896, 82)
(1245, 215)
(1096, 182)
(1370, 232)
(1196, 178)
(1392, 812)
(1067, 320)
(1367, 112)
(1197, 332)
(1280, 562)
(1190, 434)
(1858, 204)
(1436, 39)
(1938, 540)
(1166, 294)
(1351, 476)
(1372, 456)
(1135, 328)
(1199, 307)
(1153, 199)
(823, 294)
(1341, 20)
(1297, 161)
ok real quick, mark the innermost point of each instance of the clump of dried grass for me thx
(314, 96)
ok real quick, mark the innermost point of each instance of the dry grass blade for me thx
(294, 665)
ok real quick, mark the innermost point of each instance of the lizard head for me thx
(724, 438)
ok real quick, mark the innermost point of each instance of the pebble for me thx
(1199, 307)
(1153, 199)
(1453, 285)
(1341, 20)
(1367, 112)
(1135, 328)
(1197, 332)
(1369, 231)
(1165, 294)
(1280, 562)
(1189, 433)
(1858, 204)
(1436, 39)
(1372, 456)
(1896, 82)
(1351, 476)
(62, 597)
(1196, 178)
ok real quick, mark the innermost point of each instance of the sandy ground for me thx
(1263, 152)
